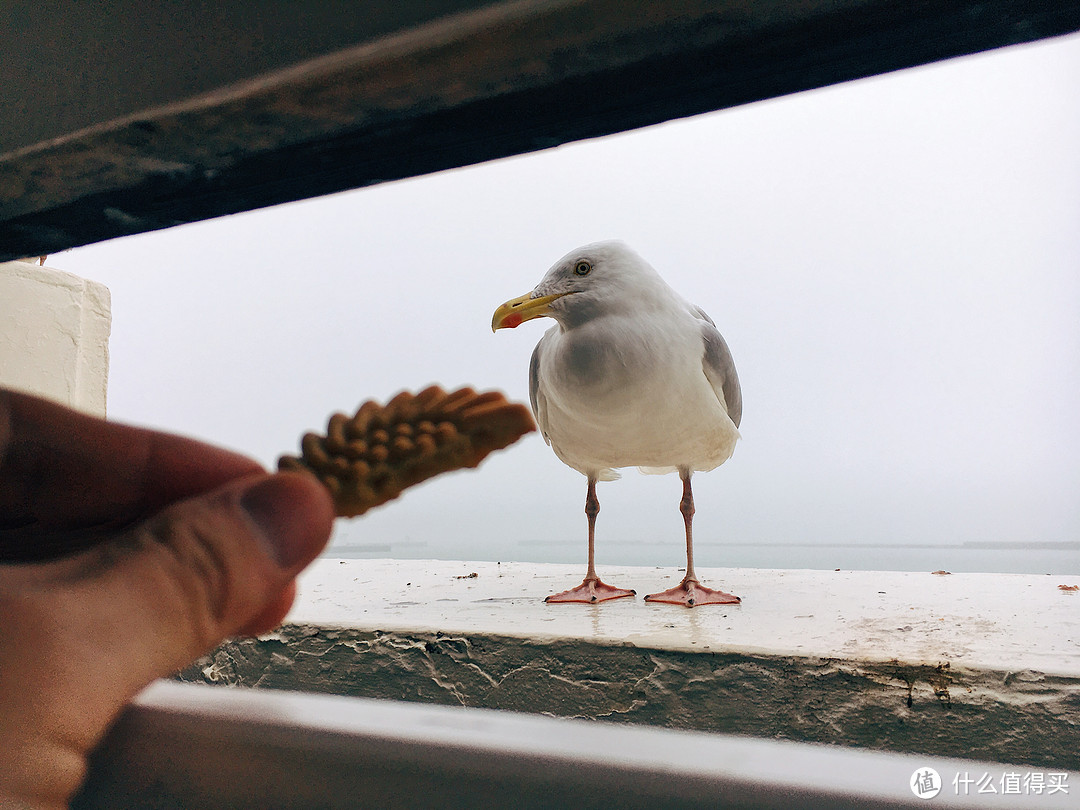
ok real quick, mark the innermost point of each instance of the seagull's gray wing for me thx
(701, 314)
(536, 392)
(719, 367)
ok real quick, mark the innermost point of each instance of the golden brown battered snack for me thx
(372, 457)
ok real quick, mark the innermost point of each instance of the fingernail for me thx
(271, 506)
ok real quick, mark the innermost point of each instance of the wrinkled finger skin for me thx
(67, 478)
(124, 555)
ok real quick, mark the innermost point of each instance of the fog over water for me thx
(894, 262)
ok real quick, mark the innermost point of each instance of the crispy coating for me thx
(372, 457)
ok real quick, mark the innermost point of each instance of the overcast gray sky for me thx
(894, 262)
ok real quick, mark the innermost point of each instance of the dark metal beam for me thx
(69, 64)
(498, 80)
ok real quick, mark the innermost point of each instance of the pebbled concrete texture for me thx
(984, 666)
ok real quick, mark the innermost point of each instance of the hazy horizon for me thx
(894, 262)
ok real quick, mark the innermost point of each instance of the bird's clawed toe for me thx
(691, 593)
(590, 592)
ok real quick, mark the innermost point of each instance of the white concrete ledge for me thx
(972, 665)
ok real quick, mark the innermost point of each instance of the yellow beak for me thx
(518, 310)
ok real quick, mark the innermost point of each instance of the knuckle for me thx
(195, 573)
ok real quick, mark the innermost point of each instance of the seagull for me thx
(631, 374)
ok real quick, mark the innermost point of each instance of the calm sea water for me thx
(1002, 557)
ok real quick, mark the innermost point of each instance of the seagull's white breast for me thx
(631, 391)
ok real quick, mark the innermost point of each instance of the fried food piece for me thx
(372, 457)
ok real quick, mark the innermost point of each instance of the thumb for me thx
(174, 587)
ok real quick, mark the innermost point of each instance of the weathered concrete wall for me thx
(1024, 718)
(54, 335)
(885, 660)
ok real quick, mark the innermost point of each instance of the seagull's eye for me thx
(582, 269)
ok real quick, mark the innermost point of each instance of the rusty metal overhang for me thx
(422, 90)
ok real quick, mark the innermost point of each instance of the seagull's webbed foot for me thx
(691, 593)
(590, 592)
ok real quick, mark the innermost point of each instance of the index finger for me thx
(66, 476)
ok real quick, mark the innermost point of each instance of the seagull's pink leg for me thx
(690, 592)
(591, 590)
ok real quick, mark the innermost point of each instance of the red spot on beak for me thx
(512, 320)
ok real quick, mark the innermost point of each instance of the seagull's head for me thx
(595, 279)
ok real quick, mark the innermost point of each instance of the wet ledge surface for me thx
(972, 665)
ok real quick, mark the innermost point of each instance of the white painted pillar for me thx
(54, 335)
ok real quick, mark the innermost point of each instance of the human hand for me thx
(124, 555)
